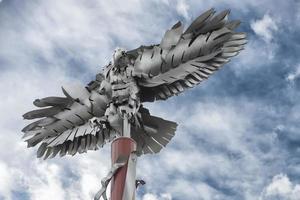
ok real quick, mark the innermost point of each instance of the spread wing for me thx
(64, 127)
(184, 59)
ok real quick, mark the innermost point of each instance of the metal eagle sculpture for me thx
(111, 105)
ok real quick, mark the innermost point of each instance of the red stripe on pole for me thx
(122, 146)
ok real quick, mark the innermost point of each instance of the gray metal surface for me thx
(130, 183)
(121, 161)
(88, 117)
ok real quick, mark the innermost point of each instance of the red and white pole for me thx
(122, 175)
(123, 183)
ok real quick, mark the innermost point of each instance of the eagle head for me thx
(118, 57)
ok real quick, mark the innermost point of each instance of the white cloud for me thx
(6, 181)
(195, 190)
(19, 168)
(149, 196)
(265, 27)
(294, 75)
(62, 31)
(210, 143)
(281, 188)
(280, 185)
(249, 59)
(182, 8)
(46, 184)
(164, 196)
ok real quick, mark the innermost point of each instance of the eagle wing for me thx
(184, 59)
(64, 126)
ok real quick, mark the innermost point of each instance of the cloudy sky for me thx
(239, 132)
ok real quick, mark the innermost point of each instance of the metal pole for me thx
(126, 127)
(123, 182)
